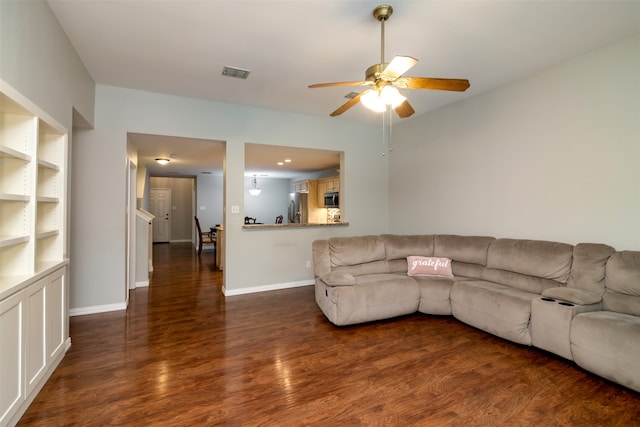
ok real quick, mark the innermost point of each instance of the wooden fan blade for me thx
(404, 110)
(457, 85)
(339, 84)
(350, 103)
(397, 67)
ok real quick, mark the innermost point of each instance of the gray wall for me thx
(37, 59)
(278, 257)
(555, 157)
(272, 201)
(209, 191)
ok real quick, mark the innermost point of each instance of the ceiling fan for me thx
(384, 79)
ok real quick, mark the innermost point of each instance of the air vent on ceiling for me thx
(351, 95)
(238, 73)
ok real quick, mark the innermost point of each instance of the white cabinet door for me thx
(36, 350)
(11, 356)
(56, 309)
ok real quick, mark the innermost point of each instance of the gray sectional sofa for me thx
(581, 301)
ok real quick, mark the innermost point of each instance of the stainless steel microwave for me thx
(332, 199)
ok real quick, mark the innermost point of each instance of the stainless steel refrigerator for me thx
(298, 208)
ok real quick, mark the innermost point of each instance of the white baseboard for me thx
(142, 284)
(97, 309)
(266, 288)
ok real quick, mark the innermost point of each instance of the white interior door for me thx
(160, 199)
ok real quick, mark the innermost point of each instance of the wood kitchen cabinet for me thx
(322, 188)
(301, 186)
(327, 185)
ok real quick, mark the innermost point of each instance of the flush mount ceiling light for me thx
(254, 190)
(238, 73)
(162, 160)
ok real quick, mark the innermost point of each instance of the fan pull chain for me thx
(383, 134)
(387, 134)
(389, 146)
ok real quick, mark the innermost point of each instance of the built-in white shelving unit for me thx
(34, 330)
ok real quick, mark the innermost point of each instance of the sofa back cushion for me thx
(468, 253)
(464, 249)
(358, 255)
(588, 267)
(399, 247)
(538, 258)
(530, 265)
(622, 282)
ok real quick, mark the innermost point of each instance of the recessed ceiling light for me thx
(287, 160)
(280, 163)
(238, 73)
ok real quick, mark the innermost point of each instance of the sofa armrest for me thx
(573, 295)
(338, 279)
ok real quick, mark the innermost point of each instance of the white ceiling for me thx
(179, 47)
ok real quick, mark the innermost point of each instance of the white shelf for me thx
(45, 199)
(8, 152)
(48, 233)
(48, 165)
(6, 241)
(14, 197)
(33, 155)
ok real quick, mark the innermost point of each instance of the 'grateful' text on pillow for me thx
(429, 266)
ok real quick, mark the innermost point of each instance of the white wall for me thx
(553, 157)
(254, 259)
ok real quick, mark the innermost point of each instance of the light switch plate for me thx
(235, 209)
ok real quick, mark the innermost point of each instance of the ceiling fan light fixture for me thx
(373, 101)
(378, 101)
(391, 96)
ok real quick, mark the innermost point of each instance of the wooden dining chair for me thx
(204, 237)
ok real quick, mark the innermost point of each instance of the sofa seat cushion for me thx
(608, 344)
(435, 293)
(494, 308)
(373, 297)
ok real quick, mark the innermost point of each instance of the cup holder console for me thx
(566, 304)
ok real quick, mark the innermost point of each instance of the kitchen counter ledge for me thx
(305, 225)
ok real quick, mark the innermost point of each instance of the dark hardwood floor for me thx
(184, 355)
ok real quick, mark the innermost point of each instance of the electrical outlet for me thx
(308, 264)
